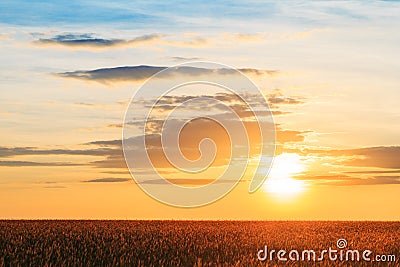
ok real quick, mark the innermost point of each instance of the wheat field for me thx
(186, 243)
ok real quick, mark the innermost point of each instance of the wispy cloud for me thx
(380, 156)
(183, 59)
(10, 163)
(17, 151)
(117, 74)
(371, 172)
(383, 157)
(181, 181)
(107, 143)
(376, 180)
(178, 181)
(112, 161)
(196, 42)
(346, 180)
(88, 40)
(278, 98)
(142, 72)
(108, 180)
(55, 186)
(245, 37)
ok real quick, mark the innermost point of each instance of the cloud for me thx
(112, 161)
(34, 164)
(55, 186)
(117, 172)
(278, 98)
(108, 180)
(328, 177)
(285, 136)
(194, 132)
(196, 42)
(183, 59)
(117, 74)
(16, 151)
(180, 181)
(110, 149)
(142, 72)
(258, 72)
(85, 104)
(274, 100)
(279, 112)
(92, 105)
(345, 180)
(271, 36)
(245, 37)
(168, 103)
(114, 125)
(107, 143)
(383, 157)
(191, 136)
(377, 180)
(87, 40)
(380, 156)
(371, 172)
(113, 158)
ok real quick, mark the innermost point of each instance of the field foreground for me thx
(191, 243)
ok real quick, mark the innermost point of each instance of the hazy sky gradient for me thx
(329, 70)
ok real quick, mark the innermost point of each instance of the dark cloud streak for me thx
(35, 164)
(16, 151)
(345, 180)
(108, 180)
(142, 72)
(87, 40)
(380, 156)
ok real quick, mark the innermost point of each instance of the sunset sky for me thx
(328, 69)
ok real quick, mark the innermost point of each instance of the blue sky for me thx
(164, 14)
(156, 13)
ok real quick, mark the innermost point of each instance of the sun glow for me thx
(280, 179)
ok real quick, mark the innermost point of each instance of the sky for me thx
(328, 69)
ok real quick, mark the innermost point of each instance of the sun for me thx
(280, 178)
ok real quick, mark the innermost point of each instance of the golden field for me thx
(185, 243)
